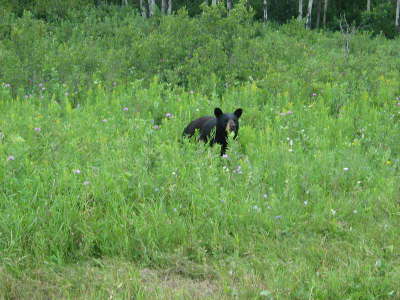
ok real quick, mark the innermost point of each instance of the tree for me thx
(169, 7)
(265, 11)
(229, 5)
(214, 2)
(143, 9)
(300, 9)
(125, 2)
(152, 7)
(163, 7)
(318, 13)
(325, 9)
(397, 21)
(368, 5)
(309, 11)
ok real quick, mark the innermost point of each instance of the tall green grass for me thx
(305, 206)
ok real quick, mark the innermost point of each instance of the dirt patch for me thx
(175, 284)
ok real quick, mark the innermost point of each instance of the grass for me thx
(101, 198)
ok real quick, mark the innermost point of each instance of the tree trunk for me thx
(143, 10)
(229, 5)
(152, 7)
(397, 22)
(214, 2)
(125, 2)
(169, 7)
(300, 9)
(265, 11)
(368, 5)
(318, 13)
(309, 11)
(325, 9)
(163, 7)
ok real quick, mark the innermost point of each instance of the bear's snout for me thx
(230, 126)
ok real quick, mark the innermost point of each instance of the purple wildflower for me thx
(125, 109)
(289, 112)
(38, 129)
(11, 157)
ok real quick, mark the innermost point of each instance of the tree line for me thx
(373, 15)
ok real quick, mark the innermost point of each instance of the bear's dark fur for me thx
(223, 124)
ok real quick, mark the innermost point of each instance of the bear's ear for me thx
(238, 112)
(218, 112)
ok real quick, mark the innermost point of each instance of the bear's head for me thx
(227, 123)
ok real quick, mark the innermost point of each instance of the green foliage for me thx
(92, 166)
(377, 20)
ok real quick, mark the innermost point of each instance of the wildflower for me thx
(398, 103)
(333, 212)
(77, 171)
(7, 85)
(125, 109)
(314, 94)
(104, 120)
(345, 169)
(156, 127)
(305, 202)
(86, 182)
(256, 208)
(238, 170)
(192, 92)
(355, 211)
(278, 217)
(265, 196)
(66, 94)
(225, 156)
(289, 112)
(11, 157)
(168, 115)
(378, 263)
(174, 209)
(174, 173)
(38, 129)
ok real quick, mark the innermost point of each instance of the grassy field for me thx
(100, 199)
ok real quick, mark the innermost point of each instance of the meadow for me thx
(100, 198)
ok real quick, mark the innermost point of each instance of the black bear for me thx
(224, 124)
